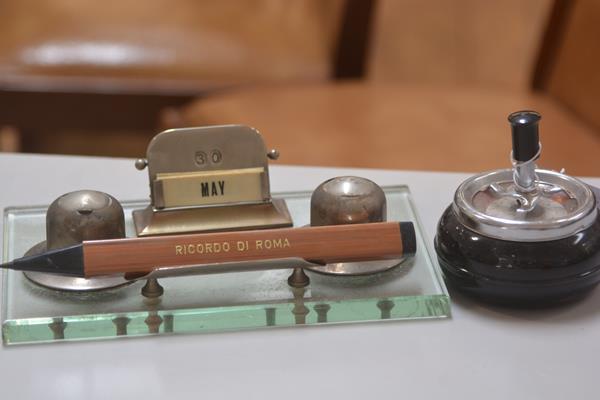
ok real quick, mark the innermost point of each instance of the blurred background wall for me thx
(366, 83)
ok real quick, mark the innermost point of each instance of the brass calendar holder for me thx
(209, 179)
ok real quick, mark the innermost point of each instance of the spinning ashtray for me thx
(523, 236)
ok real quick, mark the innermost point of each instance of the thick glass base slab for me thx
(225, 302)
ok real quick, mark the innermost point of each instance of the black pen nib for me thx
(66, 261)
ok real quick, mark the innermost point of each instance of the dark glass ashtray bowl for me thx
(518, 273)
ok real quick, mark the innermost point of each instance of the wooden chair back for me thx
(569, 64)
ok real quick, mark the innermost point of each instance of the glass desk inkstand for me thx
(33, 313)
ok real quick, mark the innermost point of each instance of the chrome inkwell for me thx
(522, 236)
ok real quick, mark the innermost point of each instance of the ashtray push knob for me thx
(525, 134)
(525, 148)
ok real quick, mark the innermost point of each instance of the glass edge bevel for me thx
(428, 244)
(444, 299)
(4, 272)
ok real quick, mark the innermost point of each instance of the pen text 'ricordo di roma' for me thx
(231, 246)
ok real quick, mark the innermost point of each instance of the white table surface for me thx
(482, 352)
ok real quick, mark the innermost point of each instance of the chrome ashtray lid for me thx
(557, 207)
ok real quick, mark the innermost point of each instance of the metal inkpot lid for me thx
(525, 204)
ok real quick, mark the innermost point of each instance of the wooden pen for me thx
(320, 244)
